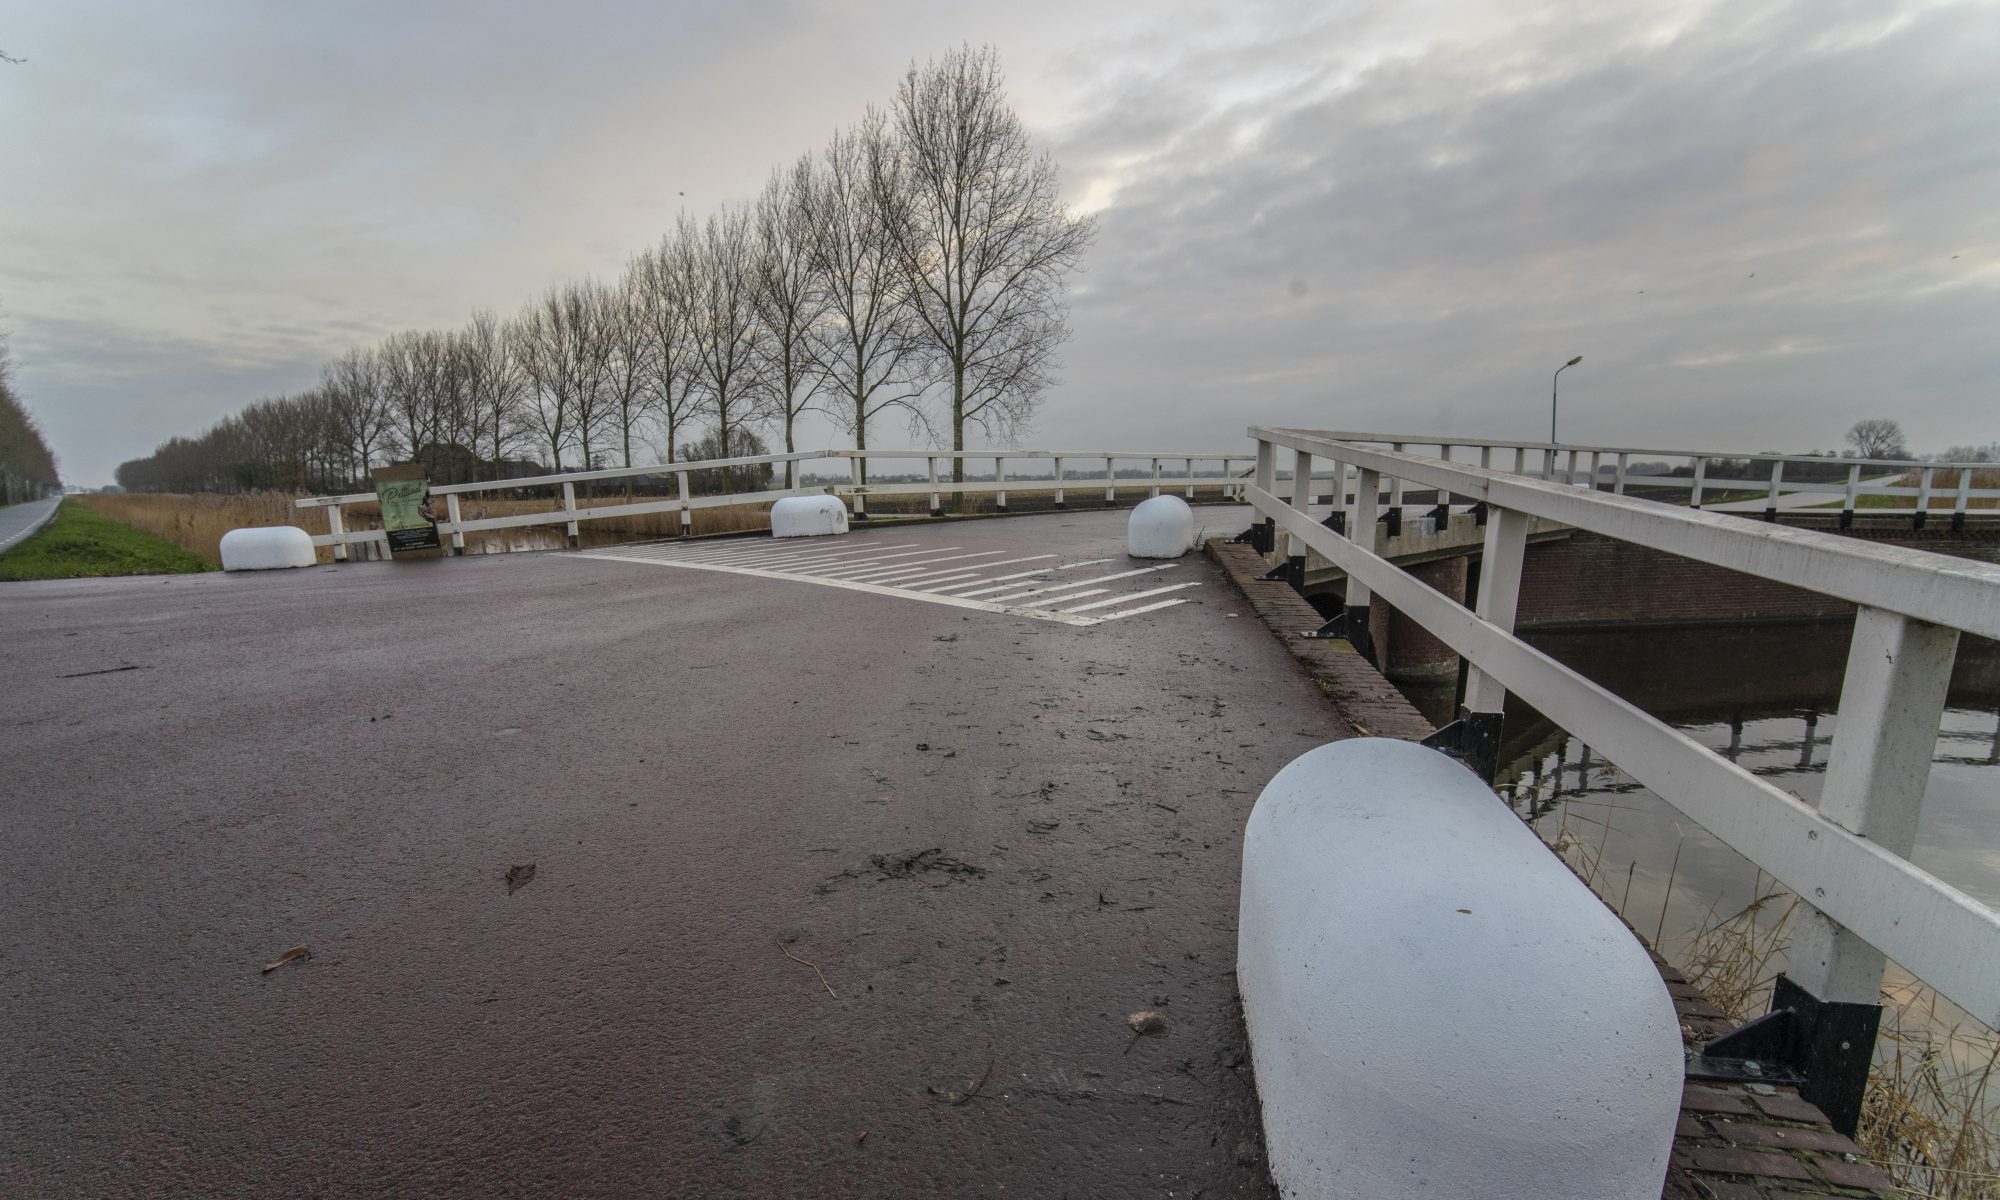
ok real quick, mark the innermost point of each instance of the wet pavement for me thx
(995, 836)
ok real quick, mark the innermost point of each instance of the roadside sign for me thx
(405, 496)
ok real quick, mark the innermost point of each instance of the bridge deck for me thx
(996, 834)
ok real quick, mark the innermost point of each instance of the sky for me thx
(1758, 221)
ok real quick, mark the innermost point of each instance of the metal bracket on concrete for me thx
(1392, 516)
(1770, 514)
(1821, 1047)
(1441, 516)
(1473, 739)
(1958, 522)
(1336, 521)
(1847, 518)
(1917, 520)
(1333, 631)
(1260, 537)
(1478, 514)
(1357, 635)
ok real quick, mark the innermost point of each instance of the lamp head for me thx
(1572, 362)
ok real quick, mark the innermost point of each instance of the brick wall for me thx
(1587, 580)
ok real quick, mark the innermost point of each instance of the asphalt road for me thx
(995, 836)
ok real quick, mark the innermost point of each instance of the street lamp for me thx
(1553, 381)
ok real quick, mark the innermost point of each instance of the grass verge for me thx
(80, 542)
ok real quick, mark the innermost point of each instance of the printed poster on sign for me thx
(407, 517)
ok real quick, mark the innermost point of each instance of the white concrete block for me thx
(1162, 527)
(267, 548)
(808, 516)
(1436, 1005)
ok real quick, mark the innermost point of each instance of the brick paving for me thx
(1734, 1141)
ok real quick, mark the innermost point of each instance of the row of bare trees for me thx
(27, 468)
(911, 269)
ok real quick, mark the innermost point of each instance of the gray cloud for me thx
(1359, 216)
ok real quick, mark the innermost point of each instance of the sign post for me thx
(404, 494)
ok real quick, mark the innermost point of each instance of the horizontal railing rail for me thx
(570, 514)
(1948, 482)
(1848, 857)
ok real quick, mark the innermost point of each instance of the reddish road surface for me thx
(995, 834)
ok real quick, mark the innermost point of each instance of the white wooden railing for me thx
(1941, 487)
(1847, 857)
(1072, 470)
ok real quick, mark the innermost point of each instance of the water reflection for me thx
(1767, 700)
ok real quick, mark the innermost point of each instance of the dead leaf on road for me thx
(519, 876)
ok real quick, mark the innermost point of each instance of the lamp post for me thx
(1554, 381)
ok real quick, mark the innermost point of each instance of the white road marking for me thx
(1143, 608)
(1079, 583)
(957, 580)
(1160, 591)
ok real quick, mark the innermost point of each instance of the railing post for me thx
(1266, 481)
(1156, 478)
(1395, 521)
(937, 501)
(1295, 549)
(1853, 491)
(1190, 479)
(792, 474)
(1923, 497)
(1361, 530)
(1891, 701)
(1000, 481)
(857, 471)
(337, 529)
(569, 506)
(1596, 465)
(1959, 505)
(1110, 482)
(457, 535)
(1059, 483)
(1475, 736)
(1569, 474)
(1486, 458)
(687, 514)
(1618, 485)
(1520, 459)
(1777, 486)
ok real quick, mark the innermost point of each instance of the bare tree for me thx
(864, 347)
(663, 279)
(789, 304)
(545, 337)
(352, 384)
(1877, 437)
(983, 241)
(628, 368)
(727, 333)
(496, 385)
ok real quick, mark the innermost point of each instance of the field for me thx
(81, 542)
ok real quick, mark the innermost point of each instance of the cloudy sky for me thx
(1758, 221)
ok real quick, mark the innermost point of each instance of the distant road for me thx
(18, 522)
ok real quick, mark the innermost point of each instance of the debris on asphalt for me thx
(293, 955)
(908, 864)
(519, 876)
(958, 1096)
(815, 970)
(1145, 1021)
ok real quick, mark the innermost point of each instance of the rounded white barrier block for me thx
(1436, 1005)
(808, 516)
(267, 548)
(1162, 527)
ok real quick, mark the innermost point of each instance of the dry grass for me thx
(1944, 489)
(196, 523)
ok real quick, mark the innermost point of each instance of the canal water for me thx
(1768, 699)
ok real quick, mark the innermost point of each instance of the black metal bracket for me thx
(1847, 518)
(1958, 522)
(1336, 521)
(1917, 520)
(1473, 739)
(1392, 516)
(1354, 626)
(1822, 1047)
(1441, 516)
(1332, 630)
(1770, 514)
(1478, 514)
